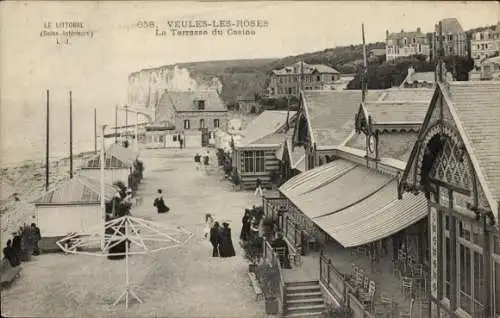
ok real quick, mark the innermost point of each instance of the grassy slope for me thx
(248, 77)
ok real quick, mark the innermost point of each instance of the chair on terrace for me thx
(406, 286)
(407, 314)
(367, 298)
(384, 306)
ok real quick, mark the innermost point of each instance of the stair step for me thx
(307, 305)
(302, 289)
(318, 309)
(303, 283)
(309, 301)
(304, 295)
(305, 314)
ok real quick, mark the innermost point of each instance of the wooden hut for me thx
(255, 156)
(119, 162)
(73, 207)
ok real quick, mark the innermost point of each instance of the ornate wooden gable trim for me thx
(362, 121)
(302, 135)
(440, 157)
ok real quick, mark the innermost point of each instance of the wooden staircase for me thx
(303, 299)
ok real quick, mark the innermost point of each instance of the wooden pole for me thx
(136, 131)
(95, 130)
(116, 124)
(365, 67)
(47, 136)
(126, 122)
(103, 205)
(70, 135)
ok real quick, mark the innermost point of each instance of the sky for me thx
(96, 69)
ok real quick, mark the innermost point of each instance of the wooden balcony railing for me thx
(271, 258)
(339, 286)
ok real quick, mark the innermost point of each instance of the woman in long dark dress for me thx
(245, 228)
(215, 239)
(227, 248)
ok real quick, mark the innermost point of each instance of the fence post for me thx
(320, 265)
(328, 271)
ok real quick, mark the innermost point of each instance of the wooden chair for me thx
(417, 270)
(355, 272)
(360, 277)
(295, 259)
(366, 282)
(407, 314)
(367, 298)
(406, 286)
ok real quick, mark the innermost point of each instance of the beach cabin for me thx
(255, 155)
(72, 207)
(119, 161)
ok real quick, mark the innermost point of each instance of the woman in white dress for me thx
(209, 221)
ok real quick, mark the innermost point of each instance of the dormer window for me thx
(201, 104)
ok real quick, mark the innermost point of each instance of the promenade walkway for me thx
(183, 282)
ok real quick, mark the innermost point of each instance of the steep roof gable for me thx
(474, 108)
(266, 124)
(186, 101)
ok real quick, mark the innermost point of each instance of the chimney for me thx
(419, 30)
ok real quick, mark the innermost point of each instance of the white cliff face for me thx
(145, 87)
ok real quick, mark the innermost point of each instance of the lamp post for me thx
(103, 203)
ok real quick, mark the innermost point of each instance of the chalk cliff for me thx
(146, 86)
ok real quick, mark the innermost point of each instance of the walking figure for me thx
(258, 187)
(197, 161)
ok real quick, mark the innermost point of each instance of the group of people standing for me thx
(250, 226)
(219, 236)
(30, 235)
(198, 161)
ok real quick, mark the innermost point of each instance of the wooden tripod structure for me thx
(129, 230)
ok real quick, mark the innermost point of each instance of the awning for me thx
(333, 187)
(374, 218)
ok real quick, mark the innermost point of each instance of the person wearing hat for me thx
(226, 248)
(16, 245)
(159, 203)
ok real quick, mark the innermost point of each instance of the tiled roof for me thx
(305, 69)
(331, 113)
(78, 189)
(408, 94)
(477, 105)
(493, 60)
(395, 145)
(127, 156)
(266, 125)
(401, 35)
(451, 25)
(421, 77)
(397, 112)
(186, 101)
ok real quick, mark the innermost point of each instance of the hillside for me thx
(248, 77)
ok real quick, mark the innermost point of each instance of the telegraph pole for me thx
(116, 124)
(47, 135)
(95, 130)
(70, 135)
(364, 76)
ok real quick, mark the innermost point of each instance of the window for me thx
(318, 78)
(201, 104)
(187, 125)
(161, 138)
(253, 161)
(289, 90)
(465, 299)
(202, 123)
(333, 77)
(216, 123)
(174, 138)
(450, 37)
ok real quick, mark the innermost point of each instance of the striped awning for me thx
(374, 218)
(333, 187)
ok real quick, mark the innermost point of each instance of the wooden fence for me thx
(271, 258)
(338, 285)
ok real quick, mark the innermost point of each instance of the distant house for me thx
(416, 79)
(287, 81)
(488, 70)
(485, 44)
(161, 134)
(255, 154)
(454, 41)
(73, 207)
(404, 44)
(248, 105)
(194, 114)
(377, 52)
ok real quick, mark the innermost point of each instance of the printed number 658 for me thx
(145, 24)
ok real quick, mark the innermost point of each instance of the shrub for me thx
(269, 279)
(253, 249)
